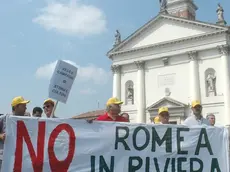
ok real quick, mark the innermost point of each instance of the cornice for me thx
(168, 17)
(163, 44)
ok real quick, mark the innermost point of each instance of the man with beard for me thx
(196, 118)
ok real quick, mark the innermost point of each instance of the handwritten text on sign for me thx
(75, 145)
(62, 81)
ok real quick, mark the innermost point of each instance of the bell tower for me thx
(182, 8)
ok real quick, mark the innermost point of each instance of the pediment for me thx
(163, 29)
(166, 102)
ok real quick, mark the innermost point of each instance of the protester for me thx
(18, 105)
(126, 115)
(196, 118)
(113, 110)
(163, 114)
(48, 107)
(37, 112)
(212, 119)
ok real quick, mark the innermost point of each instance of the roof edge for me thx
(170, 17)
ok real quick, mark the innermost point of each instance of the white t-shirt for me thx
(193, 121)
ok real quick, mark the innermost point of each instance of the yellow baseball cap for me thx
(19, 100)
(48, 101)
(156, 120)
(195, 103)
(114, 100)
(162, 109)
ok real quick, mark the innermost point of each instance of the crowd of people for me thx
(113, 113)
(19, 108)
(195, 118)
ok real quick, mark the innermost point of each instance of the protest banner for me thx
(68, 145)
(62, 81)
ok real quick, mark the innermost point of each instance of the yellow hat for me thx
(19, 100)
(163, 109)
(157, 120)
(48, 101)
(114, 100)
(195, 103)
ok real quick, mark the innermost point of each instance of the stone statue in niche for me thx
(211, 84)
(130, 92)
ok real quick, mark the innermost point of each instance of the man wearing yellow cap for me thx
(18, 105)
(163, 114)
(113, 110)
(48, 107)
(196, 118)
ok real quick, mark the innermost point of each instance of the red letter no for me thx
(55, 164)
(22, 133)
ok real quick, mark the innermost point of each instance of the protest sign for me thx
(62, 81)
(69, 145)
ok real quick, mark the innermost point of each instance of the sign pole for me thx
(55, 106)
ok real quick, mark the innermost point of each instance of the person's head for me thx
(113, 107)
(48, 106)
(163, 114)
(196, 108)
(125, 115)
(37, 112)
(211, 118)
(18, 105)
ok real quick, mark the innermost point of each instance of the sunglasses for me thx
(47, 106)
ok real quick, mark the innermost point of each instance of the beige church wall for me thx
(174, 77)
(210, 64)
(160, 33)
(217, 110)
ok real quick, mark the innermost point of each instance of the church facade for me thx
(171, 61)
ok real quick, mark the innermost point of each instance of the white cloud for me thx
(88, 91)
(85, 73)
(73, 18)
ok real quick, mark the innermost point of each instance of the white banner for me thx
(62, 81)
(68, 145)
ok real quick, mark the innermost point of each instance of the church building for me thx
(171, 61)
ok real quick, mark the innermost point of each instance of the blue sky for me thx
(34, 34)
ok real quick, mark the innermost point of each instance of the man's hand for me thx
(2, 136)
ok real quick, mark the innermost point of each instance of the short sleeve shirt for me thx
(106, 117)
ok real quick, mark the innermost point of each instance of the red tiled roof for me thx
(89, 115)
